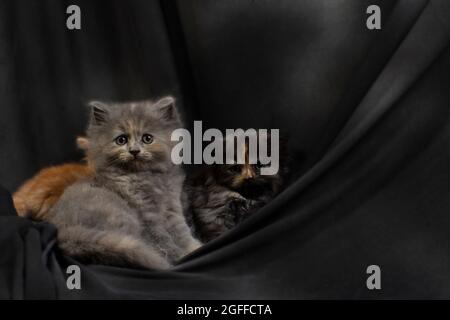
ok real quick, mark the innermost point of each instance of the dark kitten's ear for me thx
(99, 112)
(167, 110)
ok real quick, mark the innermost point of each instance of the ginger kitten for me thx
(37, 196)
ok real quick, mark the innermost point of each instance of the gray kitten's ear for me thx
(99, 112)
(166, 108)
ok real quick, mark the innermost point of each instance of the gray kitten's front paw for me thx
(194, 245)
(153, 263)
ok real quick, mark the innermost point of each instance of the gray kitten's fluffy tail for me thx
(109, 248)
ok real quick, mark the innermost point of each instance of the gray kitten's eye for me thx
(147, 138)
(121, 140)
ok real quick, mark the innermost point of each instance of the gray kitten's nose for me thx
(135, 152)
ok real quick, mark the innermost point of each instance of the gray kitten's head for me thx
(132, 136)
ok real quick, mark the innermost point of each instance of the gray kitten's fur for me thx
(130, 213)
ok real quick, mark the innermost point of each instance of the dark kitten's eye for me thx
(121, 140)
(235, 169)
(147, 138)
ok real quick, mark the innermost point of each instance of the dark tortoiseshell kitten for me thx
(223, 195)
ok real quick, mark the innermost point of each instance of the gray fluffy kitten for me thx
(130, 212)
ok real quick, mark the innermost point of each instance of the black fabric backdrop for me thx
(367, 113)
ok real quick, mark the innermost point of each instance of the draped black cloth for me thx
(367, 113)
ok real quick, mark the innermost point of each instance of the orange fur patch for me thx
(37, 196)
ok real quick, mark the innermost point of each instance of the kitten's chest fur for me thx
(150, 193)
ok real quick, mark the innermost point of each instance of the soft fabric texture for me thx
(367, 113)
